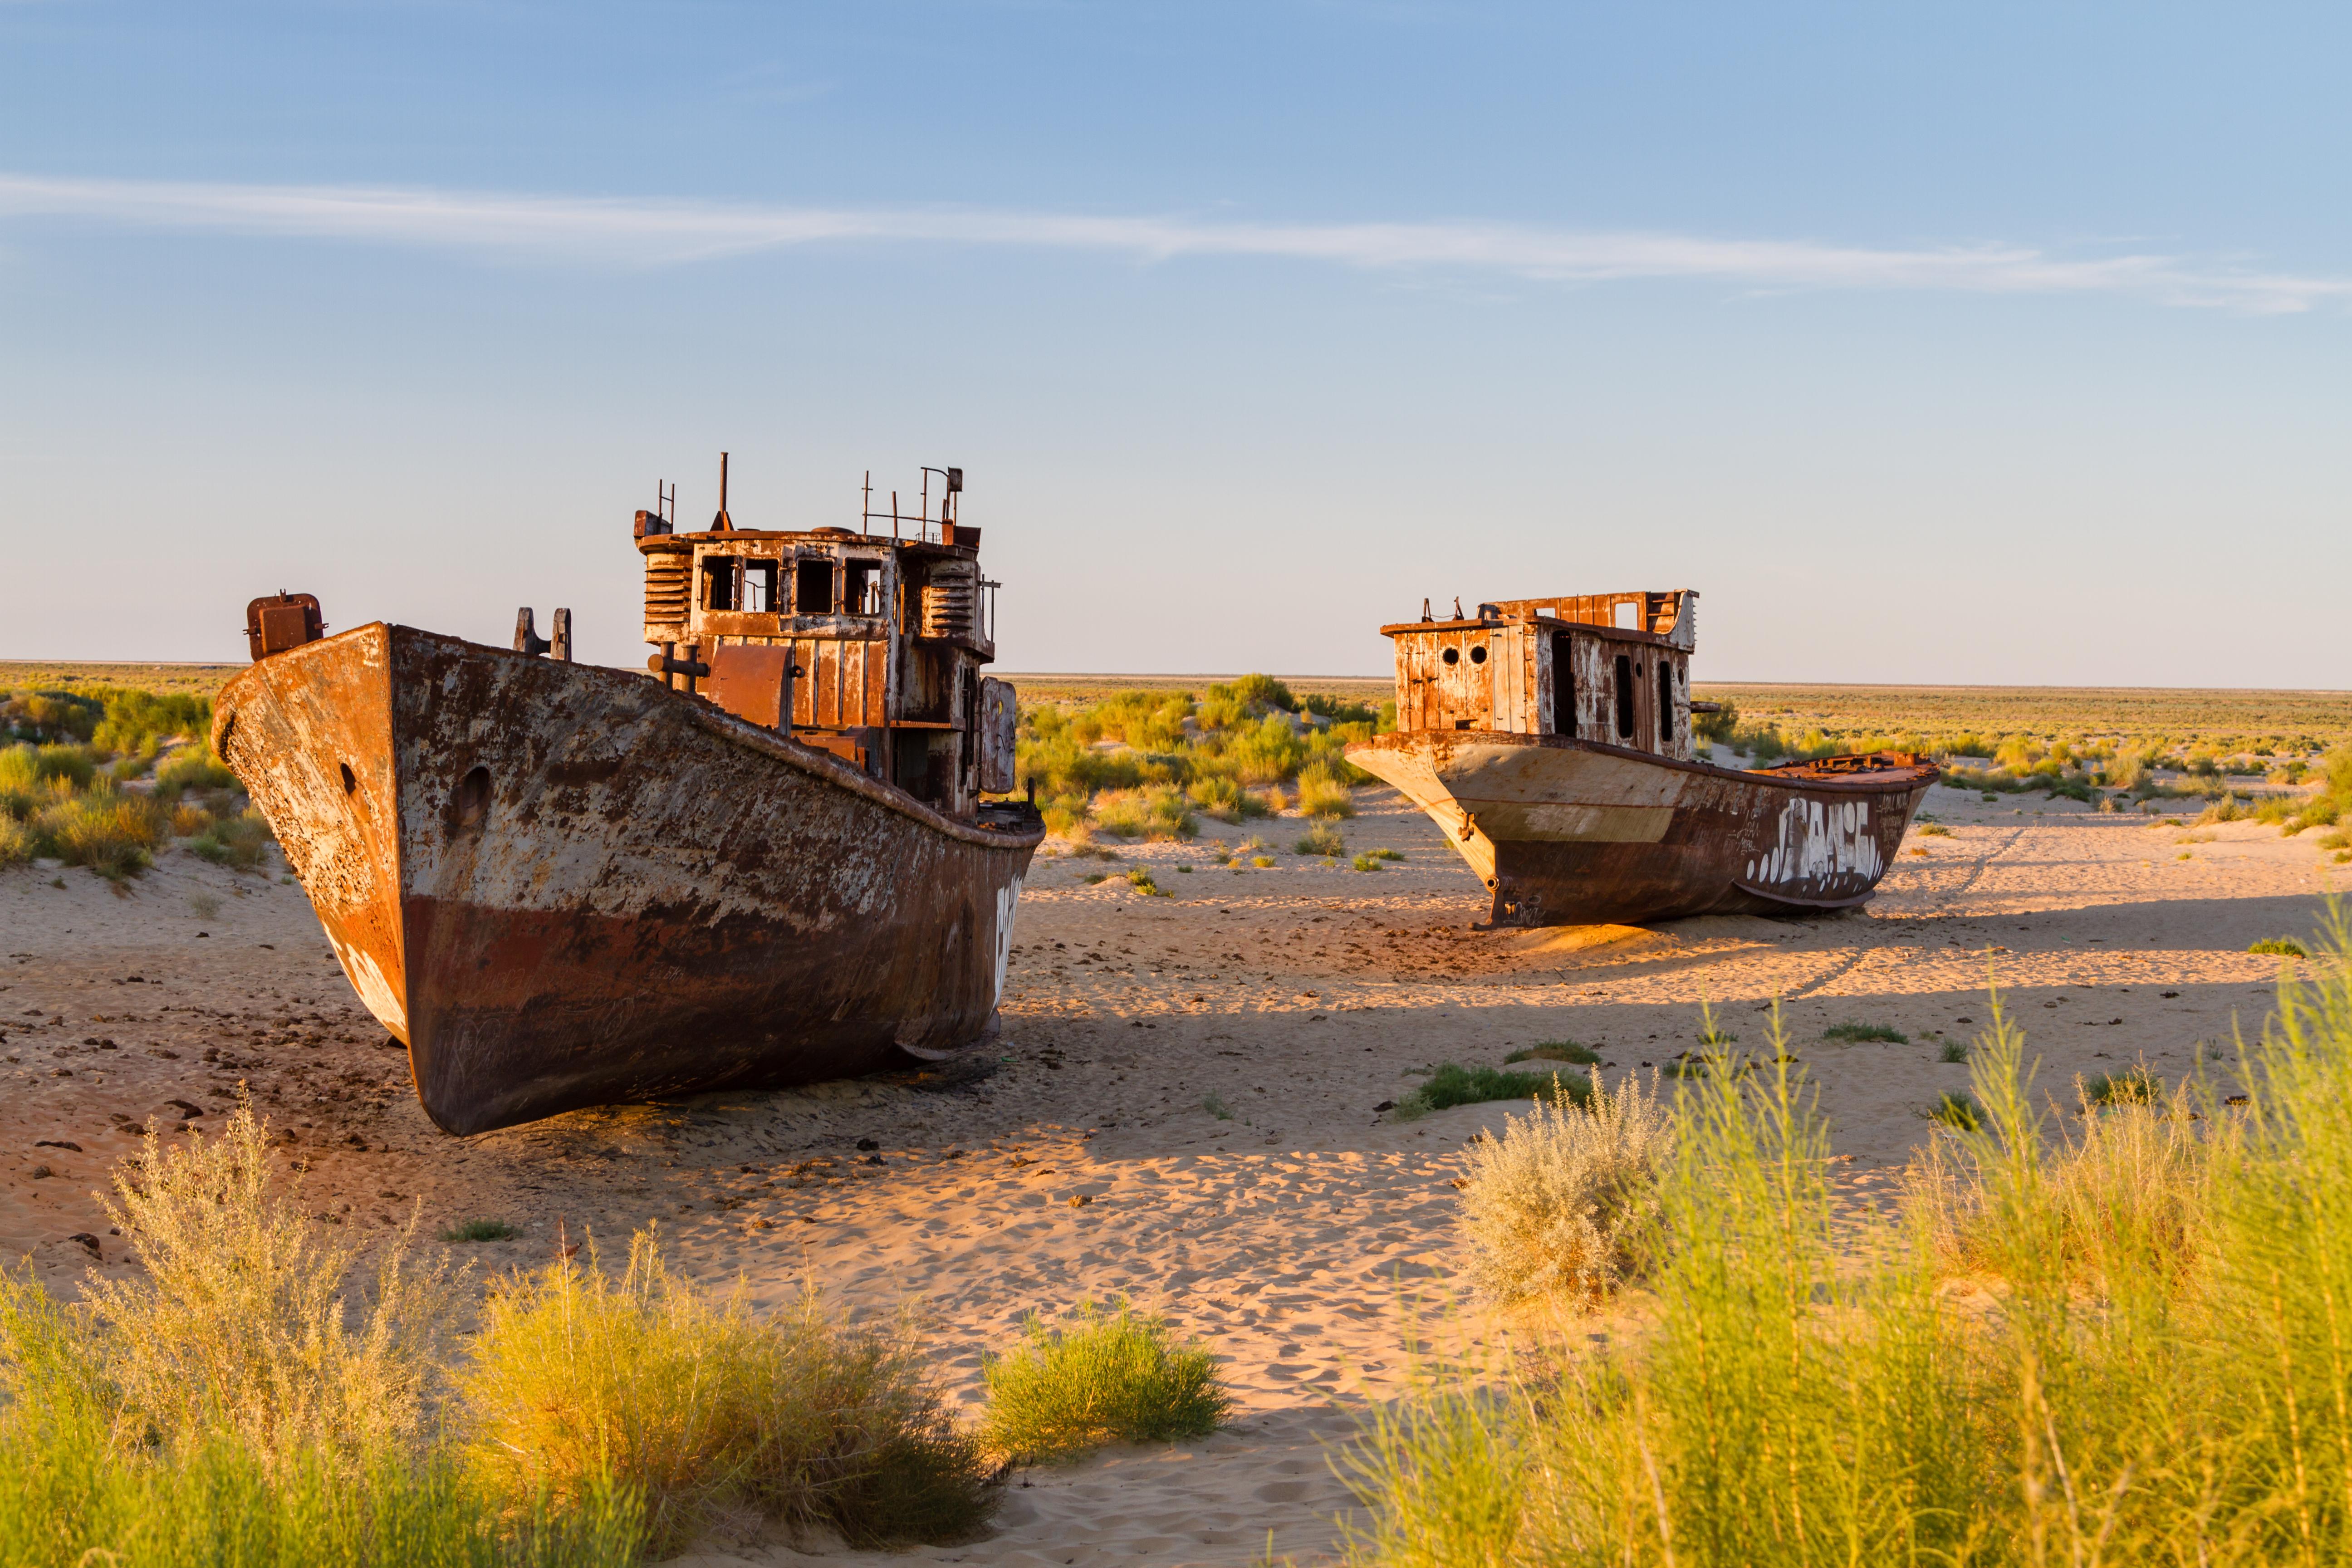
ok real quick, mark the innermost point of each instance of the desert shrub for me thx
(1852, 1033)
(1338, 710)
(1450, 1084)
(1556, 1204)
(1368, 861)
(1160, 811)
(113, 834)
(1556, 1051)
(1320, 794)
(238, 842)
(1268, 751)
(137, 720)
(1263, 693)
(188, 819)
(27, 768)
(49, 715)
(1321, 839)
(248, 1320)
(1098, 1377)
(192, 769)
(1719, 725)
(2281, 946)
(473, 1230)
(1952, 1051)
(700, 1406)
(1141, 881)
(1934, 830)
(16, 841)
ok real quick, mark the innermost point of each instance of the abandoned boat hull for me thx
(564, 886)
(1569, 832)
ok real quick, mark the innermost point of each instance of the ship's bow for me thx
(308, 733)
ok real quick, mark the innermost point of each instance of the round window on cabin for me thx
(1451, 656)
(1478, 655)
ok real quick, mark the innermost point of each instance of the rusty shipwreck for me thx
(770, 859)
(1551, 741)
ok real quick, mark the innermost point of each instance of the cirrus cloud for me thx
(651, 232)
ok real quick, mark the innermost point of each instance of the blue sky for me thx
(1989, 343)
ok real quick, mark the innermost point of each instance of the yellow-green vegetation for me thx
(1097, 1377)
(696, 1405)
(1450, 1084)
(259, 1393)
(2281, 947)
(1140, 763)
(1321, 839)
(1559, 1201)
(2106, 1339)
(73, 788)
(479, 1230)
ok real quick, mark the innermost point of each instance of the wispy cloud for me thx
(641, 232)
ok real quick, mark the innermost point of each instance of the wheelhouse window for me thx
(759, 586)
(1665, 702)
(861, 588)
(1624, 684)
(719, 577)
(813, 585)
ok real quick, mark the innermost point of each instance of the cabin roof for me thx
(1619, 634)
(656, 541)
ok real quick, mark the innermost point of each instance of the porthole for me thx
(1478, 654)
(471, 801)
(1451, 656)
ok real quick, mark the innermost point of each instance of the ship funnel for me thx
(722, 523)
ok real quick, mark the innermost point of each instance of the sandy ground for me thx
(1304, 1238)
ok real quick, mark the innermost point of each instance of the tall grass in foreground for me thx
(2122, 1336)
(259, 1394)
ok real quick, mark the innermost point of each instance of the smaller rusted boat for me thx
(1551, 740)
(773, 859)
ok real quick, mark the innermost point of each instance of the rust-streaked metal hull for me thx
(565, 886)
(1569, 832)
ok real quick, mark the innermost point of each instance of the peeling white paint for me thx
(1817, 842)
(1008, 899)
(374, 990)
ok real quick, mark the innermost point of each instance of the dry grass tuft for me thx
(1557, 1202)
(703, 1407)
(247, 1318)
(1322, 795)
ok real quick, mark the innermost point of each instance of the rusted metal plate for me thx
(566, 886)
(282, 621)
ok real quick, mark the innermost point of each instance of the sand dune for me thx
(1305, 1236)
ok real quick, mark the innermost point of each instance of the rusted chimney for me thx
(722, 523)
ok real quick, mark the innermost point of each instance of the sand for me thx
(1306, 1237)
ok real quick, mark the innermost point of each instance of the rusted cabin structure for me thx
(1551, 740)
(865, 644)
(1612, 668)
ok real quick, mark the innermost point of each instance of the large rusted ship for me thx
(1551, 740)
(772, 860)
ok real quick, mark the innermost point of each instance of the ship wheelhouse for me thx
(1613, 668)
(866, 645)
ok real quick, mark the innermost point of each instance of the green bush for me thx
(195, 768)
(239, 843)
(1096, 1378)
(2281, 947)
(1321, 839)
(1856, 1033)
(1556, 1051)
(1451, 1084)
